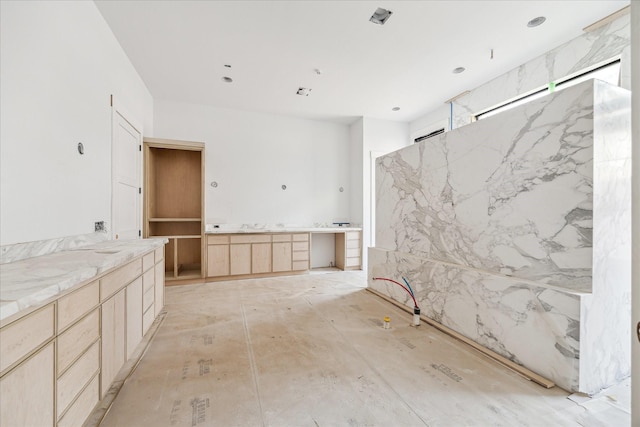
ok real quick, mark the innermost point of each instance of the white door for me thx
(126, 188)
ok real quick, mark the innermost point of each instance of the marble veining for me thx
(33, 281)
(515, 231)
(279, 228)
(18, 251)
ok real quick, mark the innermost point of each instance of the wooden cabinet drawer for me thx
(71, 383)
(76, 339)
(113, 282)
(147, 319)
(353, 252)
(304, 237)
(147, 299)
(300, 265)
(82, 407)
(353, 244)
(281, 237)
(217, 240)
(352, 262)
(78, 303)
(251, 238)
(148, 261)
(159, 254)
(148, 280)
(27, 392)
(300, 246)
(353, 235)
(301, 256)
(21, 337)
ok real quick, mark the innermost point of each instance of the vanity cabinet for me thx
(58, 361)
(349, 250)
(256, 255)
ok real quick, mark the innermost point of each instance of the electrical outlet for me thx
(100, 226)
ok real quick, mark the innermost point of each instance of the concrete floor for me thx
(311, 351)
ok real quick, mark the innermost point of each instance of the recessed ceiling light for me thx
(303, 91)
(227, 79)
(380, 16)
(458, 70)
(536, 21)
(395, 109)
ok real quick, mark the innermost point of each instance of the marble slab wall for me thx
(515, 231)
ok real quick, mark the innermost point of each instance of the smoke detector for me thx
(303, 91)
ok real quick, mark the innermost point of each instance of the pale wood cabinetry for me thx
(58, 361)
(173, 204)
(260, 254)
(349, 250)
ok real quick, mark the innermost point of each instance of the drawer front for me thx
(300, 265)
(27, 392)
(113, 282)
(281, 237)
(159, 253)
(217, 240)
(147, 319)
(353, 244)
(77, 376)
(251, 238)
(147, 299)
(301, 237)
(300, 246)
(301, 256)
(76, 339)
(81, 408)
(353, 235)
(25, 335)
(352, 262)
(148, 280)
(148, 261)
(354, 252)
(75, 305)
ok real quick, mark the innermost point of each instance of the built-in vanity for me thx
(239, 253)
(69, 321)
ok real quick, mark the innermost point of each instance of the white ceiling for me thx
(180, 49)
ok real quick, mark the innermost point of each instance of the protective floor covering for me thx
(311, 351)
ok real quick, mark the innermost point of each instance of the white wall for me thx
(251, 155)
(60, 64)
(356, 153)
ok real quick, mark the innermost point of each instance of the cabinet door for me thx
(27, 392)
(217, 260)
(261, 258)
(159, 284)
(134, 315)
(240, 258)
(113, 339)
(282, 256)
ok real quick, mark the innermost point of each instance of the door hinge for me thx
(139, 233)
(139, 147)
(139, 190)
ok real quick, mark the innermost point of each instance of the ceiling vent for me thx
(303, 91)
(380, 16)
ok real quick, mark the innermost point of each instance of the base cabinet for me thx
(26, 393)
(60, 360)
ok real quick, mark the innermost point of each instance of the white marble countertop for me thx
(32, 282)
(242, 230)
